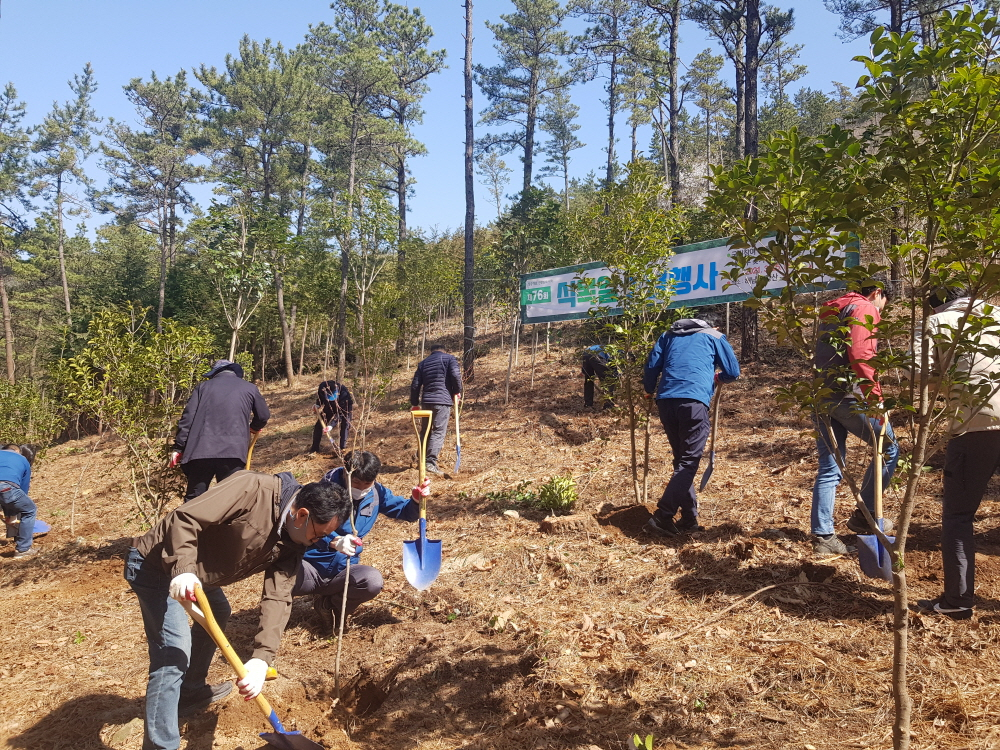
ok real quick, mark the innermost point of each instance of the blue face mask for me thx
(333, 396)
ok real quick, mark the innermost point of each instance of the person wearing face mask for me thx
(251, 523)
(323, 570)
(336, 405)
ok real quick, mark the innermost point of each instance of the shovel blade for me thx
(874, 558)
(290, 741)
(422, 559)
(708, 472)
(458, 458)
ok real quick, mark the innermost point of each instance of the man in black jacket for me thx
(336, 404)
(213, 435)
(436, 382)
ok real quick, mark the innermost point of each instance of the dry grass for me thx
(528, 640)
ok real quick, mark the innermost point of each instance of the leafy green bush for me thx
(558, 494)
(517, 495)
(136, 381)
(27, 415)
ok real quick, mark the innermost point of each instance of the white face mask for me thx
(359, 494)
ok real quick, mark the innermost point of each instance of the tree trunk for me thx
(609, 180)
(673, 104)
(302, 351)
(62, 253)
(8, 330)
(752, 62)
(279, 288)
(468, 299)
(34, 347)
(529, 129)
(232, 345)
(345, 261)
(164, 233)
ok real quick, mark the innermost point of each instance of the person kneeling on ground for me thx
(18, 509)
(249, 524)
(323, 571)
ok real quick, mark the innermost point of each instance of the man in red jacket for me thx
(847, 341)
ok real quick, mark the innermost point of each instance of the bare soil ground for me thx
(527, 639)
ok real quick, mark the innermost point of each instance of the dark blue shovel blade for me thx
(874, 558)
(422, 559)
(286, 740)
(708, 472)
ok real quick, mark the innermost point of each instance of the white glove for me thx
(346, 545)
(182, 587)
(327, 429)
(175, 458)
(251, 685)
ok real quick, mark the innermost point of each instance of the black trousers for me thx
(687, 425)
(201, 471)
(345, 426)
(595, 368)
(969, 463)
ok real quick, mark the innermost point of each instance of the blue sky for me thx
(43, 43)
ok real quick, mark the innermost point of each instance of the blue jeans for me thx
(843, 419)
(179, 654)
(16, 503)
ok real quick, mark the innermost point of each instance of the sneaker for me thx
(660, 527)
(27, 553)
(435, 470)
(859, 525)
(203, 697)
(934, 607)
(831, 546)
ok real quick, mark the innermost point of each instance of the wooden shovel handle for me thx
(202, 614)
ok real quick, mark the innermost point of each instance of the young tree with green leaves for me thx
(780, 71)
(63, 143)
(632, 232)
(150, 170)
(495, 176)
(530, 43)
(935, 151)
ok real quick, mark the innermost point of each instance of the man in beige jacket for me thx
(969, 374)
(251, 523)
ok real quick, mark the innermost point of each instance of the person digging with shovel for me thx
(334, 408)
(973, 452)
(848, 339)
(323, 570)
(684, 362)
(251, 523)
(19, 510)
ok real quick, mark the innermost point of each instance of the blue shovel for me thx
(422, 556)
(873, 557)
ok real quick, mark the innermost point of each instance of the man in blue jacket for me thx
(213, 434)
(685, 360)
(436, 383)
(323, 570)
(15, 483)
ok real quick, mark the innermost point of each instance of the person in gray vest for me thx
(436, 382)
(213, 434)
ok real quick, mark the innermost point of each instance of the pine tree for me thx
(559, 121)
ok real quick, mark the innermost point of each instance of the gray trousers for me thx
(366, 584)
(969, 463)
(439, 426)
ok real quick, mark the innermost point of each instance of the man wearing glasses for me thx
(251, 523)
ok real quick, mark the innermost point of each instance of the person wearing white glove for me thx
(230, 532)
(253, 682)
(324, 570)
(182, 587)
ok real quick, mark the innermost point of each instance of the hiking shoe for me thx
(859, 525)
(27, 553)
(661, 527)
(203, 697)
(689, 527)
(435, 470)
(831, 546)
(934, 607)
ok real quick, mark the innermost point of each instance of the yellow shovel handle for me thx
(202, 614)
(253, 442)
(427, 414)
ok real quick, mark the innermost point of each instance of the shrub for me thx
(27, 415)
(558, 494)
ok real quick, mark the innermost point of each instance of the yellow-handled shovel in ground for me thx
(253, 442)
(280, 737)
(422, 556)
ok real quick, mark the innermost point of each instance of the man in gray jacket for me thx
(213, 434)
(971, 385)
(252, 523)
